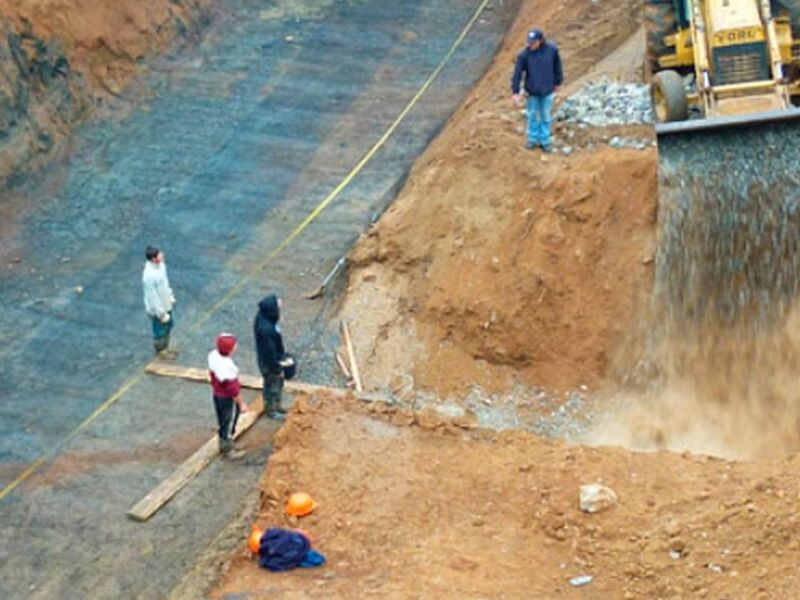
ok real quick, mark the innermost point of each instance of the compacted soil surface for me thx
(413, 505)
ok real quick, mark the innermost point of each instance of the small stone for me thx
(581, 580)
(595, 498)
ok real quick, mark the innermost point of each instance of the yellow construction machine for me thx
(725, 82)
(720, 63)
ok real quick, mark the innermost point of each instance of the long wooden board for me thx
(164, 491)
(252, 382)
(352, 356)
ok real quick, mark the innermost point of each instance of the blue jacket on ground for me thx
(542, 70)
(282, 550)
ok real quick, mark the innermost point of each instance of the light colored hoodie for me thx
(158, 296)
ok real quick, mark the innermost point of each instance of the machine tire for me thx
(659, 22)
(669, 97)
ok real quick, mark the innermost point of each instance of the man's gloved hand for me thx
(164, 318)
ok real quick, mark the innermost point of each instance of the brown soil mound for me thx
(498, 263)
(412, 506)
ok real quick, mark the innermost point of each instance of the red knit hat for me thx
(226, 342)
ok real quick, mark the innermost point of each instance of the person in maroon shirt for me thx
(226, 390)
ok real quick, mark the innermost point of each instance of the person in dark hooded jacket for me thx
(271, 354)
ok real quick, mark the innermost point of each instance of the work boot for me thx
(229, 451)
(276, 414)
(168, 354)
(235, 454)
(275, 411)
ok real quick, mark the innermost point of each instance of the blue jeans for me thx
(161, 332)
(540, 121)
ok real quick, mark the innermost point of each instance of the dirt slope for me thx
(496, 264)
(412, 506)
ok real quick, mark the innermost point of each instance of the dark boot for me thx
(229, 451)
(277, 415)
(160, 345)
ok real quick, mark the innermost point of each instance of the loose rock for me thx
(595, 498)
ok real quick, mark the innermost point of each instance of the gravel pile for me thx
(608, 103)
(568, 416)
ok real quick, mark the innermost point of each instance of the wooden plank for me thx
(352, 356)
(252, 382)
(166, 490)
(343, 366)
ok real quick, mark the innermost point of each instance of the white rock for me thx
(595, 498)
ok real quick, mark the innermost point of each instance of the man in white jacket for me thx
(159, 301)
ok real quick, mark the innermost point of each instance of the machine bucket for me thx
(726, 122)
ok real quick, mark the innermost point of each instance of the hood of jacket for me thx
(268, 308)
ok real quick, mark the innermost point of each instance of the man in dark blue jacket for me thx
(271, 355)
(541, 65)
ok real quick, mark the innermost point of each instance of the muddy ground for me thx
(216, 154)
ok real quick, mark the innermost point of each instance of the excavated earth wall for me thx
(61, 59)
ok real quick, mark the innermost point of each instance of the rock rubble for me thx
(608, 103)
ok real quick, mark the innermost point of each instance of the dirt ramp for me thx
(413, 505)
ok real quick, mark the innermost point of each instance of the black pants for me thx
(227, 415)
(272, 393)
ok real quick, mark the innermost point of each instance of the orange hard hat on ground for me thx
(254, 541)
(300, 504)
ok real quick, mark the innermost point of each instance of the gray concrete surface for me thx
(215, 155)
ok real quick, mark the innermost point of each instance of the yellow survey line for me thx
(312, 216)
(356, 170)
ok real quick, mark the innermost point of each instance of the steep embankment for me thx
(496, 263)
(57, 57)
